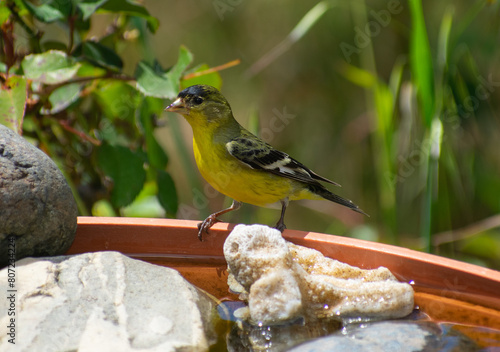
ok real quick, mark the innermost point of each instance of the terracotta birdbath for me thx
(445, 289)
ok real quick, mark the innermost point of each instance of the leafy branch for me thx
(77, 104)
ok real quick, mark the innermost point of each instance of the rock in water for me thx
(36, 204)
(105, 301)
(282, 281)
(398, 335)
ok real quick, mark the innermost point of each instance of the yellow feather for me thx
(235, 179)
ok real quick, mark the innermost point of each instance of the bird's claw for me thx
(280, 227)
(206, 225)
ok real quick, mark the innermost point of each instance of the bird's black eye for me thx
(197, 100)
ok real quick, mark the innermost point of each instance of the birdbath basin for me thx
(446, 290)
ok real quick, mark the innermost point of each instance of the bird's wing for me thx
(259, 155)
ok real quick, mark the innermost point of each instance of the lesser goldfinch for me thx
(241, 165)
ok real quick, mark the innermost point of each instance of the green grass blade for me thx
(421, 62)
(304, 25)
(436, 137)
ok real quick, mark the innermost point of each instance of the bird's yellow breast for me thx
(237, 180)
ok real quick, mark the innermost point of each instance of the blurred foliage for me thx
(397, 101)
(74, 100)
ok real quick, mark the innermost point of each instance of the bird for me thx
(239, 164)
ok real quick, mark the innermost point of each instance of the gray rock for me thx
(36, 203)
(105, 301)
(391, 336)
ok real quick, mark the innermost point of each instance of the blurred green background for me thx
(397, 101)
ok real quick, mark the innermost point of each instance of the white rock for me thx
(105, 301)
(251, 251)
(270, 302)
(282, 281)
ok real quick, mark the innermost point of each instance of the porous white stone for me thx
(282, 281)
(268, 299)
(251, 251)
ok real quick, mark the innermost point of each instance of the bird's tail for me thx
(323, 192)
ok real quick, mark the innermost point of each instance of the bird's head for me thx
(201, 103)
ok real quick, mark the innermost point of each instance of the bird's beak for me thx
(177, 106)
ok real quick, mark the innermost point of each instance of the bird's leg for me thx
(212, 219)
(280, 225)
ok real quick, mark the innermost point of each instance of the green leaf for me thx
(118, 100)
(150, 108)
(144, 208)
(13, 102)
(53, 45)
(421, 62)
(99, 54)
(131, 9)
(212, 79)
(88, 7)
(359, 76)
(66, 7)
(146, 205)
(153, 84)
(444, 38)
(62, 97)
(384, 105)
(88, 70)
(103, 208)
(81, 25)
(167, 194)
(184, 60)
(4, 12)
(126, 168)
(162, 85)
(51, 67)
(46, 12)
